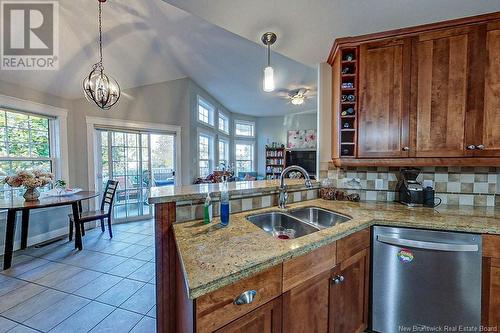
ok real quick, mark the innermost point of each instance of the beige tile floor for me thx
(107, 287)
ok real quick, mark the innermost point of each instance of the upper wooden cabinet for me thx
(486, 129)
(440, 68)
(383, 108)
(428, 95)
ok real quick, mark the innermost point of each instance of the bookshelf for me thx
(275, 162)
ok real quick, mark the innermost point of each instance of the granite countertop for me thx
(199, 192)
(213, 256)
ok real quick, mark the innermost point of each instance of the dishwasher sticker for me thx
(405, 256)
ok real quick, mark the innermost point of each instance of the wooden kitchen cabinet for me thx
(349, 291)
(218, 308)
(305, 307)
(265, 319)
(384, 99)
(484, 129)
(440, 68)
(490, 312)
(428, 95)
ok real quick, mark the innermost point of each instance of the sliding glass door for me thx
(138, 161)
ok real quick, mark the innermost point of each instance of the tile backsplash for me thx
(193, 210)
(454, 185)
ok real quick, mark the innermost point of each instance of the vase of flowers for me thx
(31, 181)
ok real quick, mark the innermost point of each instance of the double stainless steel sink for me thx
(297, 222)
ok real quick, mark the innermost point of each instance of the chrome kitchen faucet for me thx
(283, 196)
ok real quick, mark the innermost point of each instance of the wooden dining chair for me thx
(101, 214)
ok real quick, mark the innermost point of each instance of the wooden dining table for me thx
(15, 205)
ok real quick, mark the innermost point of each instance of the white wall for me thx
(163, 103)
(275, 129)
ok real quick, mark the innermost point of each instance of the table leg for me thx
(24, 228)
(78, 231)
(9, 238)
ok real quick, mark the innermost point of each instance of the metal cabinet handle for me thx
(406, 148)
(480, 147)
(338, 279)
(246, 298)
(428, 245)
(471, 147)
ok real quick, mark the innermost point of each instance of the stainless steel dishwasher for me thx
(425, 280)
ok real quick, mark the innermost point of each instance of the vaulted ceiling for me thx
(152, 41)
(306, 28)
(217, 43)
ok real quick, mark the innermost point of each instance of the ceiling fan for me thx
(296, 96)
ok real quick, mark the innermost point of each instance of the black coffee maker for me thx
(409, 190)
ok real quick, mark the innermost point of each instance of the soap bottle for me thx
(207, 210)
(224, 204)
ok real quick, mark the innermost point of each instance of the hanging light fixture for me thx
(268, 39)
(100, 88)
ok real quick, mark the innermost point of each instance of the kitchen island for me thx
(210, 265)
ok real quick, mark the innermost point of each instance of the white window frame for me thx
(225, 117)
(244, 122)
(58, 130)
(244, 142)
(226, 159)
(211, 155)
(211, 112)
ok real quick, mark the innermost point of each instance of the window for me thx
(244, 157)
(204, 154)
(223, 123)
(244, 128)
(205, 112)
(223, 153)
(25, 144)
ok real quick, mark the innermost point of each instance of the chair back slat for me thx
(109, 194)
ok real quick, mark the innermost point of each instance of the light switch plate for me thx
(428, 182)
(379, 184)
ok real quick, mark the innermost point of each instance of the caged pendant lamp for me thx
(100, 88)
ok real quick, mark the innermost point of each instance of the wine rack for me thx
(348, 102)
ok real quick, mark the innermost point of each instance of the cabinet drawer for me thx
(300, 269)
(216, 309)
(352, 244)
(491, 246)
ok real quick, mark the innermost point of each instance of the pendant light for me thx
(268, 39)
(100, 88)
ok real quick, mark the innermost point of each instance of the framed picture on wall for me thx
(302, 139)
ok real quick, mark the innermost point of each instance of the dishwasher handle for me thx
(428, 245)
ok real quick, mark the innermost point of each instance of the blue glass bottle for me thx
(224, 204)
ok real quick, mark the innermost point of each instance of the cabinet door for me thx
(491, 290)
(487, 125)
(264, 319)
(349, 296)
(384, 99)
(305, 307)
(440, 75)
